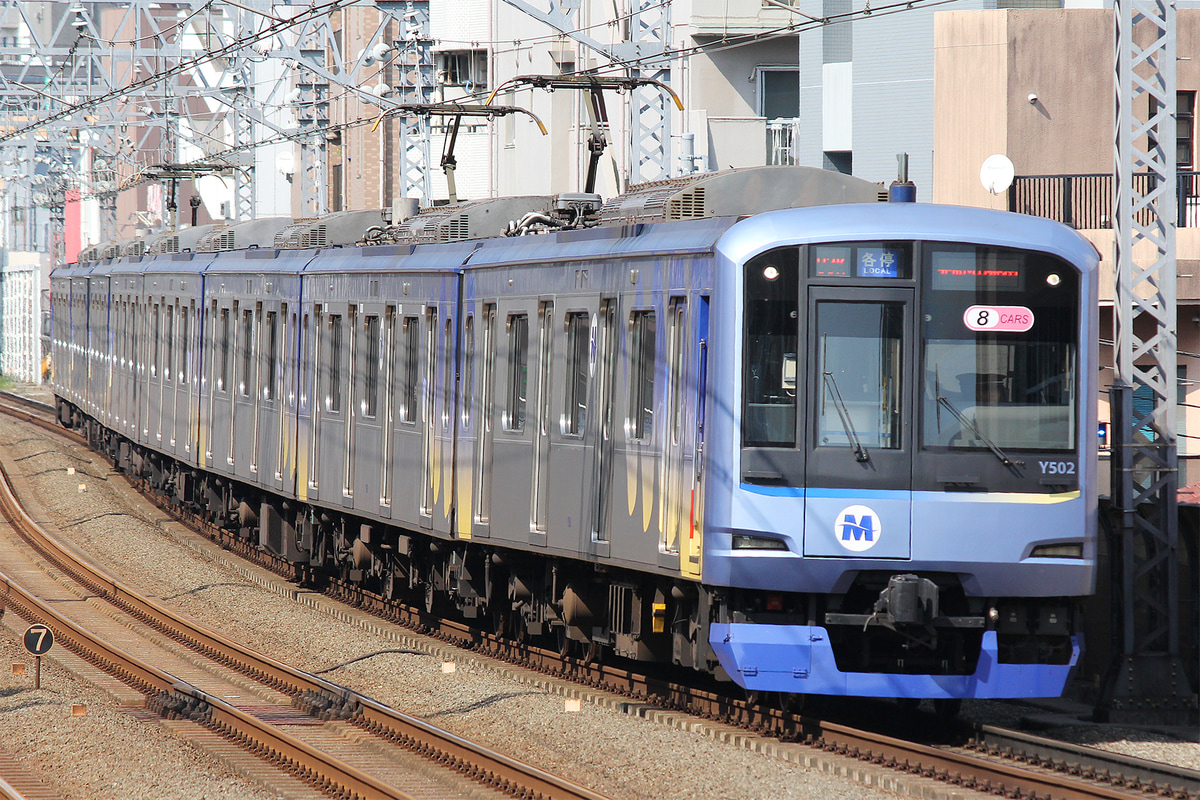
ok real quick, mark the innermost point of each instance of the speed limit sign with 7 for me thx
(38, 640)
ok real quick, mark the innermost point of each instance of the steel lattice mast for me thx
(646, 46)
(1145, 473)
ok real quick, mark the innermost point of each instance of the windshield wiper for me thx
(860, 452)
(969, 423)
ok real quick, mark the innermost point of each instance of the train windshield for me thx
(999, 335)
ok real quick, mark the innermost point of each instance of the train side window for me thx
(675, 365)
(575, 399)
(370, 366)
(185, 348)
(223, 348)
(272, 361)
(468, 370)
(155, 332)
(447, 372)
(334, 400)
(483, 487)
(411, 332)
(639, 424)
(247, 352)
(169, 336)
(389, 388)
(307, 367)
(518, 372)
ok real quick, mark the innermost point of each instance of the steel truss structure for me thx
(1148, 675)
(646, 52)
(117, 91)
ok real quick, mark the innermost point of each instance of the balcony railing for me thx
(782, 136)
(1086, 201)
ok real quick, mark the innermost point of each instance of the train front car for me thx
(900, 498)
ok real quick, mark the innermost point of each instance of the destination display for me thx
(964, 270)
(867, 260)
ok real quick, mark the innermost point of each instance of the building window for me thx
(778, 92)
(840, 161)
(1185, 130)
(465, 68)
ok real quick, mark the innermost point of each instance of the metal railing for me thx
(1085, 201)
(782, 135)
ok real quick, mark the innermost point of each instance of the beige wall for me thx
(987, 63)
(970, 78)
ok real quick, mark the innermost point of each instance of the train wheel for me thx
(562, 642)
(389, 582)
(947, 708)
(430, 594)
(593, 652)
(499, 619)
(792, 703)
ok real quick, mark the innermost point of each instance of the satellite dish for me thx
(285, 163)
(997, 173)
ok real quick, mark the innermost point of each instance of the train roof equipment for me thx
(250, 234)
(340, 229)
(737, 193)
(480, 219)
(180, 240)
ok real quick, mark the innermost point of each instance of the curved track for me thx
(1021, 766)
(176, 698)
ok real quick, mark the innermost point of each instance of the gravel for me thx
(509, 709)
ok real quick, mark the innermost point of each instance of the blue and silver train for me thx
(761, 423)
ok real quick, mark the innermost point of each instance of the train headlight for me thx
(771, 272)
(743, 542)
(1053, 279)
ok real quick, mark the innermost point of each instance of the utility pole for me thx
(1147, 677)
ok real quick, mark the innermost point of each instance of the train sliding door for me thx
(858, 431)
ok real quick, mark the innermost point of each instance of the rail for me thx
(1106, 776)
(316, 694)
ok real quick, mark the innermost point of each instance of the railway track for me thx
(1005, 763)
(176, 698)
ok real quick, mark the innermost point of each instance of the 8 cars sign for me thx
(997, 319)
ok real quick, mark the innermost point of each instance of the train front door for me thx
(858, 429)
